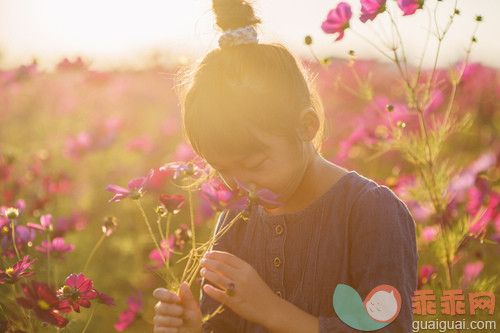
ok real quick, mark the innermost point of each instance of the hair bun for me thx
(233, 14)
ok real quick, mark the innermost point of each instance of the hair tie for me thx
(243, 35)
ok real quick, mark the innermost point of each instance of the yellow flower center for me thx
(66, 291)
(9, 271)
(43, 305)
(5, 230)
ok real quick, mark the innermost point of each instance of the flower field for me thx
(73, 139)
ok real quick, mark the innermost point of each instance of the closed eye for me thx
(257, 165)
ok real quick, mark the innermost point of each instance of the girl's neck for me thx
(320, 175)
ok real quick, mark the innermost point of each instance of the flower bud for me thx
(479, 18)
(389, 107)
(308, 40)
(11, 213)
(109, 225)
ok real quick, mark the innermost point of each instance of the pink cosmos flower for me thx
(56, 248)
(19, 270)
(425, 274)
(221, 197)
(337, 20)
(22, 235)
(45, 223)
(429, 233)
(43, 301)
(472, 271)
(172, 203)
(261, 196)
(77, 290)
(135, 188)
(141, 144)
(182, 169)
(371, 8)
(76, 147)
(409, 7)
(166, 246)
(128, 316)
(105, 299)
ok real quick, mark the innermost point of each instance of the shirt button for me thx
(279, 294)
(277, 262)
(279, 229)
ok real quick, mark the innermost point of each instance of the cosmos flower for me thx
(43, 301)
(134, 191)
(183, 169)
(472, 271)
(56, 248)
(45, 223)
(171, 203)
(128, 316)
(425, 274)
(338, 20)
(409, 7)
(104, 299)
(221, 197)
(77, 290)
(19, 270)
(261, 196)
(429, 233)
(371, 8)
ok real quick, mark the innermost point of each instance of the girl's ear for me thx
(308, 124)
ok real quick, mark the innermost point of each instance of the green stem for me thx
(167, 232)
(90, 318)
(191, 215)
(13, 229)
(48, 256)
(148, 225)
(97, 245)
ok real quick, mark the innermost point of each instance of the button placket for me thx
(277, 256)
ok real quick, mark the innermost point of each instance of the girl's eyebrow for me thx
(239, 160)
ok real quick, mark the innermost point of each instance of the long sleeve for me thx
(227, 321)
(382, 250)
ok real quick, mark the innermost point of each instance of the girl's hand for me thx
(176, 313)
(251, 298)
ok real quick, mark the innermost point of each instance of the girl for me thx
(251, 113)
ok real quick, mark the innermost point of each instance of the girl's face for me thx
(279, 168)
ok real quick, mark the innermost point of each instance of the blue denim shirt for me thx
(357, 233)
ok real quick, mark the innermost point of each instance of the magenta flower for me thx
(371, 8)
(56, 248)
(182, 169)
(134, 191)
(337, 20)
(425, 274)
(43, 301)
(172, 203)
(429, 233)
(128, 316)
(77, 291)
(409, 7)
(19, 270)
(22, 235)
(261, 196)
(167, 247)
(45, 223)
(221, 197)
(472, 271)
(104, 299)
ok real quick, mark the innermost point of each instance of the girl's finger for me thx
(164, 295)
(217, 294)
(219, 280)
(227, 258)
(167, 321)
(220, 267)
(166, 330)
(168, 309)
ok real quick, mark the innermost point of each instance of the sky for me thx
(112, 34)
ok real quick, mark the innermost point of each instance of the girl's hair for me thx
(236, 89)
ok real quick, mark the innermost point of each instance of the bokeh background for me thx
(87, 99)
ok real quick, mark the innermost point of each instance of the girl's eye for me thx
(256, 166)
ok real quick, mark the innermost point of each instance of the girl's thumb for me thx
(187, 297)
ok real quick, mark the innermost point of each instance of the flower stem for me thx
(191, 215)
(88, 321)
(97, 245)
(13, 229)
(48, 257)
(167, 231)
(148, 225)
